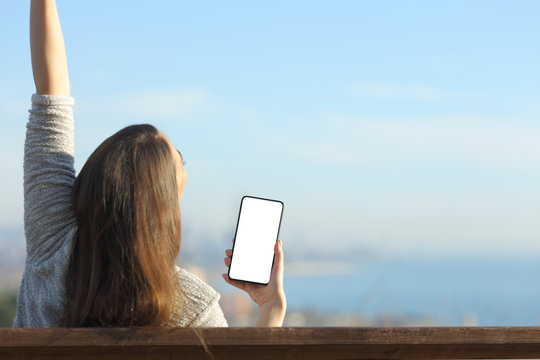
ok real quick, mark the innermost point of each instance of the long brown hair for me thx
(126, 205)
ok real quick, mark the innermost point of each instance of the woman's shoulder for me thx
(200, 302)
(195, 288)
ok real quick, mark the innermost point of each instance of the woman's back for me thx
(50, 226)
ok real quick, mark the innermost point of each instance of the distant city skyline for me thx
(403, 128)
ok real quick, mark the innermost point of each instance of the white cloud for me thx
(174, 104)
(353, 141)
(165, 103)
(397, 92)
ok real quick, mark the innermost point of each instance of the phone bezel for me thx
(236, 230)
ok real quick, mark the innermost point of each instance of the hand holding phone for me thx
(257, 231)
(270, 296)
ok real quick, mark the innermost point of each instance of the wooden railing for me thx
(272, 343)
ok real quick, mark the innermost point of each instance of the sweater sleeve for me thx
(49, 175)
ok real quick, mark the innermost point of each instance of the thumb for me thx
(277, 269)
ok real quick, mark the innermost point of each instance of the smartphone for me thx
(257, 231)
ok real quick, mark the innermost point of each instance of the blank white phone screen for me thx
(256, 235)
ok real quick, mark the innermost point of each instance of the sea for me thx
(445, 292)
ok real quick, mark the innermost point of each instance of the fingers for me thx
(236, 284)
(227, 260)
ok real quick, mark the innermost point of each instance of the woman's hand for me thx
(270, 298)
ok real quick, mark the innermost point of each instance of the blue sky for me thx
(402, 127)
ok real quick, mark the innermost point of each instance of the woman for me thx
(101, 246)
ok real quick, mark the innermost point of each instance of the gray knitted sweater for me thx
(50, 225)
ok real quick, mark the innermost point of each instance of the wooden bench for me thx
(272, 343)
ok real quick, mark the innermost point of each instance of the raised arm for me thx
(49, 174)
(49, 63)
